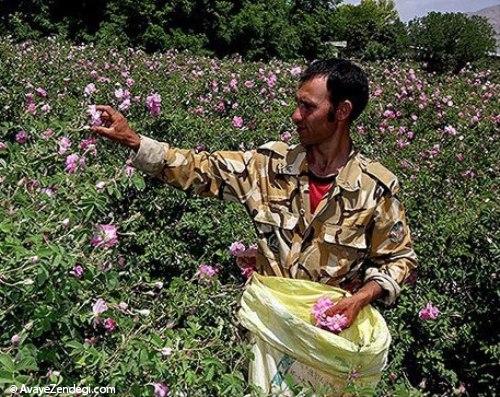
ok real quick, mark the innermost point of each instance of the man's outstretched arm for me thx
(226, 175)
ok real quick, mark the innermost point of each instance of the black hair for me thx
(345, 80)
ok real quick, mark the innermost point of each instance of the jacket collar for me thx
(348, 178)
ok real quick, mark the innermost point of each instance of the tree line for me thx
(257, 29)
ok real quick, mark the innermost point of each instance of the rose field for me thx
(110, 278)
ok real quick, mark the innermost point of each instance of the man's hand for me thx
(116, 128)
(352, 305)
(349, 307)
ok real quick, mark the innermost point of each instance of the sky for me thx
(409, 9)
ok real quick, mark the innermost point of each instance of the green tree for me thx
(372, 29)
(448, 41)
(263, 30)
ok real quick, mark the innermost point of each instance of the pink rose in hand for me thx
(95, 116)
(335, 323)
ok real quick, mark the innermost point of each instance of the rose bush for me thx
(110, 278)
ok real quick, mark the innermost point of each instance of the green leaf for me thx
(73, 344)
(27, 363)
(7, 363)
(138, 182)
(5, 227)
(6, 377)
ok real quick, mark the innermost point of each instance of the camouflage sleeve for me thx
(224, 174)
(391, 252)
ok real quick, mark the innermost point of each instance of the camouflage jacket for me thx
(358, 233)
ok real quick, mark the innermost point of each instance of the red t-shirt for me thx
(318, 188)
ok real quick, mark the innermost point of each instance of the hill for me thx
(493, 15)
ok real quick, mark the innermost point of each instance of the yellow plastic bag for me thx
(278, 313)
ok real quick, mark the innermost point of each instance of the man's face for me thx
(311, 114)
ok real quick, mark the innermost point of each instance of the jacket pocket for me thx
(282, 219)
(275, 232)
(343, 250)
(347, 236)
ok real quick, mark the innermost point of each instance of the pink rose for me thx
(89, 144)
(237, 248)
(99, 307)
(21, 137)
(41, 92)
(237, 122)
(286, 136)
(125, 105)
(249, 84)
(47, 134)
(389, 114)
(95, 116)
(72, 163)
(89, 89)
(220, 107)
(450, 130)
(296, 71)
(247, 265)
(129, 170)
(31, 108)
(271, 80)
(77, 271)
(15, 339)
(335, 323)
(109, 325)
(153, 103)
(166, 351)
(160, 390)
(233, 84)
(206, 271)
(64, 144)
(105, 235)
(429, 312)
(122, 94)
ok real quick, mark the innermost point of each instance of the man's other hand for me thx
(352, 305)
(349, 307)
(116, 128)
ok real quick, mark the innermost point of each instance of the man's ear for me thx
(344, 110)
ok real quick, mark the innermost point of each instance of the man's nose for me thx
(296, 115)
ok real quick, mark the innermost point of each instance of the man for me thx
(322, 211)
